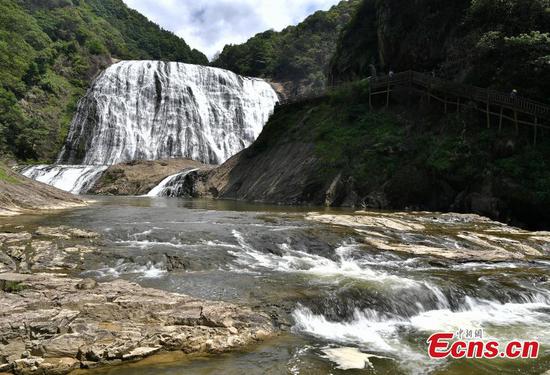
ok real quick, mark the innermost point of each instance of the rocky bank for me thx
(140, 177)
(19, 195)
(467, 237)
(51, 324)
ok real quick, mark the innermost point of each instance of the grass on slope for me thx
(7, 177)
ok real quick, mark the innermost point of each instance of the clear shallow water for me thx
(326, 287)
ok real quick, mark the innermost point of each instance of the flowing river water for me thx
(341, 298)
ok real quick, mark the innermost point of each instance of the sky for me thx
(208, 25)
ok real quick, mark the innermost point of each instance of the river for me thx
(339, 298)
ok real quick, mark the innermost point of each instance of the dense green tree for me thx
(298, 54)
(49, 52)
(489, 43)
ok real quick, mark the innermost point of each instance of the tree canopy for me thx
(298, 54)
(49, 52)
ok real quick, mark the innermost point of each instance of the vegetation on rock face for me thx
(7, 176)
(489, 43)
(418, 159)
(49, 52)
(298, 54)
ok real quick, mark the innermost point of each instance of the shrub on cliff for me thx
(501, 44)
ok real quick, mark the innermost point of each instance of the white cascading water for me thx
(76, 179)
(151, 110)
(171, 185)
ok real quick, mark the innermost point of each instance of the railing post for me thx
(488, 112)
(500, 120)
(536, 128)
(370, 94)
(388, 93)
(410, 88)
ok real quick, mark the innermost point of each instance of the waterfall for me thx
(76, 179)
(151, 110)
(171, 186)
(154, 110)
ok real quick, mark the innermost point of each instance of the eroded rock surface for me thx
(139, 177)
(46, 249)
(20, 195)
(53, 324)
(458, 237)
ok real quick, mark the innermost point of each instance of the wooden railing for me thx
(463, 91)
(454, 94)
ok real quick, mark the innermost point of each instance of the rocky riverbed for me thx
(55, 324)
(467, 237)
(46, 249)
(52, 323)
(131, 277)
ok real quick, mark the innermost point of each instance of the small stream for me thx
(325, 285)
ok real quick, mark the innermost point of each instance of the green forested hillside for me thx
(488, 43)
(298, 54)
(49, 52)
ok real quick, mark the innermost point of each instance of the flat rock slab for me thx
(52, 325)
(19, 195)
(46, 249)
(450, 236)
(139, 177)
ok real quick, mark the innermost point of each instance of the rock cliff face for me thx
(334, 152)
(480, 42)
(398, 35)
(285, 174)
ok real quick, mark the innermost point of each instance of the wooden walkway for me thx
(456, 96)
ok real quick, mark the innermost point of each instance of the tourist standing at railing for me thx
(373, 73)
(514, 94)
(391, 74)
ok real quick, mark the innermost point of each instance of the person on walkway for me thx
(514, 94)
(373, 73)
(391, 73)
